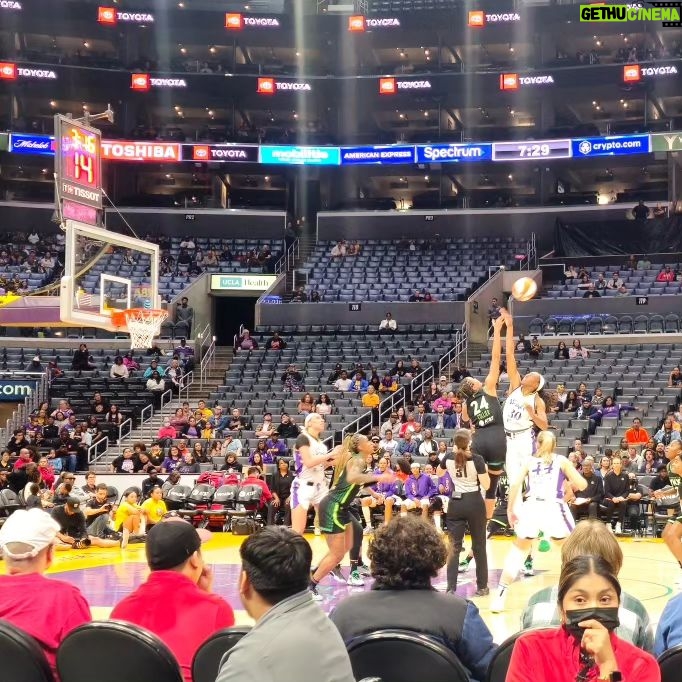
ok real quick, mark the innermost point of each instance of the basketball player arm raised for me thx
(490, 383)
(510, 351)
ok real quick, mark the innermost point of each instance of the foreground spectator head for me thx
(27, 540)
(275, 566)
(406, 554)
(176, 546)
(592, 537)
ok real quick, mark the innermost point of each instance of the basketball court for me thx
(105, 576)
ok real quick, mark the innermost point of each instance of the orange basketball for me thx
(524, 289)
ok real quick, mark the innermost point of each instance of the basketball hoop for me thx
(142, 324)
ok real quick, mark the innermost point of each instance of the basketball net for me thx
(143, 324)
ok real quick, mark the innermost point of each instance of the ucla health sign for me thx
(301, 156)
(242, 282)
(377, 154)
(16, 390)
(617, 145)
(454, 153)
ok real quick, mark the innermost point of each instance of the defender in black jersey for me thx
(672, 533)
(483, 409)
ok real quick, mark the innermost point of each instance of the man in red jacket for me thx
(176, 602)
(253, 478)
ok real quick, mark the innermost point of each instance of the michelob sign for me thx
(666, 12)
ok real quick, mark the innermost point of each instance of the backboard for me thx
(104, 272)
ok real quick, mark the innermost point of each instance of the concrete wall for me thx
(370, 313)
(465, 223)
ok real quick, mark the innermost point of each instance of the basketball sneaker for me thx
(528, 569)
(337, 575)
(464, 564)
(355, 580)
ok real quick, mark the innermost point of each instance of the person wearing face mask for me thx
(592, 538)
(585, 647)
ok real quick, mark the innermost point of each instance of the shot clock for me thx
(532, 150)
(78, 165)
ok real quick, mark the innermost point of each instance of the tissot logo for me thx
(10, 4)
(269, 86)
(111, 16)
(236, 22)
(512, 81)
(389, 86)
(479, 18)
(10, 72)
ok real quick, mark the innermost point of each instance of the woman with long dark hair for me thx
(469, 474)
(335, 518)
(585, 647)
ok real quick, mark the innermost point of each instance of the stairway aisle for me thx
(146, 433)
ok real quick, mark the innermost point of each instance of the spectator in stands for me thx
(128, 517)
(186, 355)
(184, 315)
(73, 527)
(292, 379)
(591, 292)
(650, 463)
(388, 323)
(275, 342)
(359, 385)
(236, 422)
(429, 445)
(231, 464)
(231, 445)
(561, 352)
(18, 441)
(306, 404)
(601, 283)
(636, 434)
(591, 538)
(616, 282)
(666, 433)
(118, 369)
(172, 460)
(152, 481)
(522, 345)
(27, 542)
(576, 351)
(125, 463)
(536, 348)
(440, 420)
(665, 275)
(154, 367)
(188, 465)
(406, 556)
(130, 362)
(262, 451)
(388, 445)
(273, 589)
(246, 342)
(266, 428)
(253, 477)
(422, 492)
(166, 432)
(275, 447)
(82, 360)
(493, 311)
(616, 494)
(675, 378)
(323, 405)
(571, 274)
(590, 412)
(176, 603)
(370, 400)
(280, 509)
(641, 211)
(586, 502)
(156, 386)
(339, 250)
(343, 383)
(643, 263)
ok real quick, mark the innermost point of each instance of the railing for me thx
(207, 362)
(391, 403)
(289, 258)
(149, 412)
(201, 339)
(358, 425)
(20, 416)
(127, 424)
(186, 382)
(454, 354)
(417, 384)
(96, 451)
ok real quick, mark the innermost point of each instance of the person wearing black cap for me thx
(176, 602)
(73, 532)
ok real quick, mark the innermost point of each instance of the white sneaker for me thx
(355, 580)
(125, 537)
(317, 531)
(619, 529)
(498, 602)
(368, 530)
(315, 594)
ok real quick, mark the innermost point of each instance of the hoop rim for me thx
(119, 318)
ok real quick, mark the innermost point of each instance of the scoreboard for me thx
(78, 164)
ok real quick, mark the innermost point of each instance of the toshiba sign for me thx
(158, 152)
(10, 72)
(390, 86)
(359, 23)
(512, 81)
(143, 82)
(110, 16)
(269, 86)
(237, 22)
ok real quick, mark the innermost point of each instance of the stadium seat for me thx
(22, 657)
(206, 663)
(670, 663)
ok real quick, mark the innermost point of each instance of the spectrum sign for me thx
(238, 22)
(10, 72)
(217, 152)
(269, 86)
(110, 16)
(390, 86)
(481, 18)
(142, 82)
(359, 23)
(454, 153)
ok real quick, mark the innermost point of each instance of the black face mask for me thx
(607, 616)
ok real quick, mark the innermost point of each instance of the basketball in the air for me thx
(524, 289)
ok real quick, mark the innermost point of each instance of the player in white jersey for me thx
(311, 457)
(543, 511)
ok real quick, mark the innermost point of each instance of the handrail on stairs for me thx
(94, 453)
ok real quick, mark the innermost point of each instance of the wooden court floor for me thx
(107, 575)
